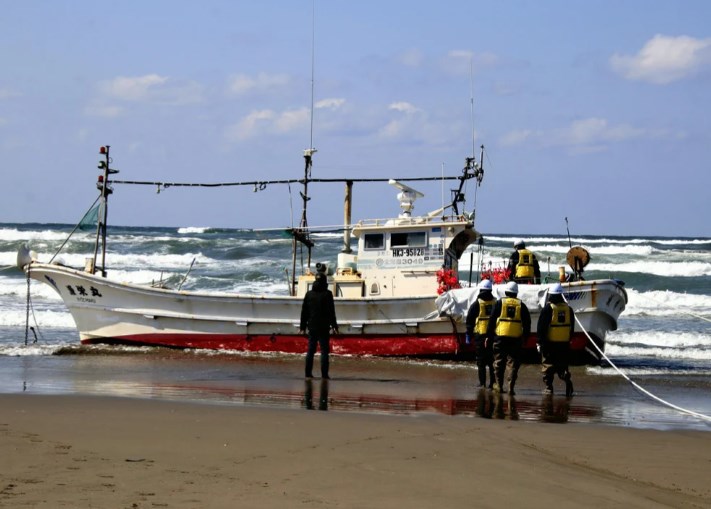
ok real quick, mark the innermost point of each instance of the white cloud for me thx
(412, 58)
(132, 89)
(516, 137)
(291, 120)
(103, 110)
(404, 107)
(593, 131)
(6, 93)
(330, 104)
(461, 62)
(152, 88)
(265, 122)
(664, 59)
(584, 135)
(242, 83)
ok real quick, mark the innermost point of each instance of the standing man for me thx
(318, 315)
(523, 265)
(477, 325)
(555, 328)
(509, 326)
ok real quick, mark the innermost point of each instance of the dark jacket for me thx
(544, 320)
(318, 312)
(473, 313)
(496, 313)
(513, 262)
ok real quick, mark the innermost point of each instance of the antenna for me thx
(471, 100)
(313, 60)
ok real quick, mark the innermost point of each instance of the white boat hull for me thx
(107, 311)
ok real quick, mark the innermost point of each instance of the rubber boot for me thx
(568, 388)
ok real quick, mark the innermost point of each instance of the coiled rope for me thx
(635, 384)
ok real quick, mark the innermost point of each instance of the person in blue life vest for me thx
(555, 329)
(523, 265)
(509, 326)
(318, 315)
(477, 324)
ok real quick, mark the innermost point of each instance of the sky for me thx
(596, 111)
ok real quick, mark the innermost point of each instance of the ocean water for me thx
(663, 336)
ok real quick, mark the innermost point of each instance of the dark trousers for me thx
(555, 360)
(320, 339)
(507, 356)
(484, 359)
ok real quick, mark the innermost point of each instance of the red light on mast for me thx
(102, 150)
(101, 178)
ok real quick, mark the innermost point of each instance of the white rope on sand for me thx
(636, 385)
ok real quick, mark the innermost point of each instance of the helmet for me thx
(485, 284)
(511, 287)
(556, 289)
(519, 243)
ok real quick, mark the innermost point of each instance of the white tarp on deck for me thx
(456, 303)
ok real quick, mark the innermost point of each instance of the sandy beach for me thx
(87, 451)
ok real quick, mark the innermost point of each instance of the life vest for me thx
(482, 321)
(525, 264)
(509, 324)
(559, 328)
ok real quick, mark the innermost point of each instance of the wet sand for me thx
(359, 385)
(89, 451)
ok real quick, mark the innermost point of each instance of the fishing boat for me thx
(396, 294)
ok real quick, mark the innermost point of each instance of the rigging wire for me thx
(261, 183)
(72, 232)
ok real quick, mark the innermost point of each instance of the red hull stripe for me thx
(400, 345)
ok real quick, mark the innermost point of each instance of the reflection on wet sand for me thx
(322, 396)
(490, 405)
(360, 385)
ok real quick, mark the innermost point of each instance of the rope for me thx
(685, 312)
(27, 310)
(635, 384)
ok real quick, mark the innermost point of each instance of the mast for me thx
(301, 234)
(347, 208)
(104, 190)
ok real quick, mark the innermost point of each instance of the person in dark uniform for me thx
(477, 324)
(318, 315)
(555, 329)
(509, 326)
(523, 265)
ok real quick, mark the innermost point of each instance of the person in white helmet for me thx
(523, 265)
(477, 324)
(555, 329)
(509, 327)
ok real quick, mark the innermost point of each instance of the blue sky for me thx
(596, 111)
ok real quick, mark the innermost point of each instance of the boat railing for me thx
(414, 221)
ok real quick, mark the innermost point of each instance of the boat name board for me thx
(80, 292)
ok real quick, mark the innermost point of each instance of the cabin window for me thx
(374, 241)
(408, 239)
